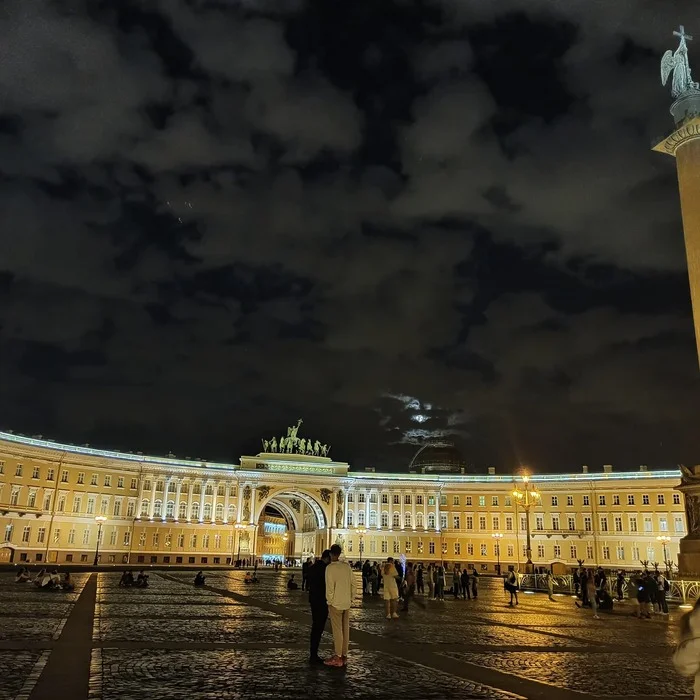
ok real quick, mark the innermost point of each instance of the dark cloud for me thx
(395, 219)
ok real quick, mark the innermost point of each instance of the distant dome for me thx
(437, 457)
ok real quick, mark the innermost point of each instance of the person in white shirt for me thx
(340, 591)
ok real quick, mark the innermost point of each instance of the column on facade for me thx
(368, 497)
(227, 492)
(402, 506)
(178, 492)
(154, 482)
(166, 496)
(391, 509)
(253, 499)
(345, 511)
(141, 496)
(190, 496)
(437, 511)
(413, 509)
(215, 491)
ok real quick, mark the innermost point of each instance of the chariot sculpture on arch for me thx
(291, 443)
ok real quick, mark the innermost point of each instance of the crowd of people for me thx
(127, 580)
(46, 580)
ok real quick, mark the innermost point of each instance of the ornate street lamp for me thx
(526, 497)
(498, 536)
(99, 520)
(361, 531)
(239, 527)
(665, 539)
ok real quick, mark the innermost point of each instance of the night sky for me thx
(394, 219)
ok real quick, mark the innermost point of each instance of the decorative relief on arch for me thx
(296, 504)
(325, 495)
(263, 493)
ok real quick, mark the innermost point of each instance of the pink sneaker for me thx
(335, 661)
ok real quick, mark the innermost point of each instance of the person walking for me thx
(316, 586)
(305, 572)
(620, 582)
(340, 592)
(456, 581)
(591, 591)
(374, 578)
(475, 584)
(663, 588)
(686, 658)
(550, 585)
(409, 583)
(430, 573)
(420, 585)
(391, 589)
(511, 585)
(440, 583)
(466, 588)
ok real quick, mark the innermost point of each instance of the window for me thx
(71, 536)
(443, 500)
(217, 541)
(159, 487)
(420, 546)
(458, 549)
(407, 520)
(509, 523)
(117, 508)
(663, 524)
(373, 518)
(31, 501)
(630, 499)
(104, 506)
(14, 498)
(455, 500)
(508, 501)
(47, 501)
(569, 500)
(443, 521)
(603, 524)
(8, 533)
(205, 541)
(455, 522)
(467, 500)
(193, 541)
(616, 500)
(360, 517)
(651, 554)
(361, 498)
(431, 521)
(120, 482)
(350, 519)
(2, 467)
(539, 522)
(470, 549)
(484, 550)
(482, 522)
(207, 511)
(572, 551)
(396, 547)
(385, 498)
(620, 552)
(133, 484)
(419, 500)
(555, 500)
(557, 551)
(482, 500)
(660, 500)
(90, 505)
(647, 525)
(494, 501)
(589, 551)
(396, 499)
(635, 553)
(470, 522)
(419, 519)
(182, 510)
(385, 519)
(86, 535)
(172, 487)
(540, 551)
(645, 499)
(142, 539)
(64, 476)
(586, 501)
(156, 539)
(633, 524)
(495, 523)
(49, 474)
(127, 538)
(523, 523)
(35, 473)
(396, 520)
(76, 504)
(555, 522)
(144, 507)
(113, 537)
(408, 547)
(158, 509)
(407, 499)
(57, 535)
(618, 524)
(180, 540)
(93, 480)
(606, 552)
(572, 522)
(18, 471)
(511, 550)
(195, 511)
(170, 509)
(676, 499)
(431, 500)
(219, 511)
(678, 523)
(431, 547)
(588, 523)
(26, 533)
(601, 500)
(231, 512)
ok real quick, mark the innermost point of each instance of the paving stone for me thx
(16, 667)
(24, 629)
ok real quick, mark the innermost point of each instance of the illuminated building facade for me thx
(162, 511)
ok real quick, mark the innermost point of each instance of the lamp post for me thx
(239, 527)
(664, 539)
(361, 531)
(498, 536)
(285, 539)
(99, 519)
(526, 497)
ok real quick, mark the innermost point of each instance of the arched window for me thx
(231, 512)
(157, 509)
(170, 509)
(207, 511)
(195, 511)
(431, 521)
(419, 519)
(396, 521)
(373, 518)
(349, 518)
(209, 490)
(144, 507)
(407, 520)
(182, 510)
(361, 517)
(172, 487)
(385, 519)
(197, 489)
(220, 511)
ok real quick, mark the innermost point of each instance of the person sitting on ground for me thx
(55, 579)
(123, 579)
(292, 584)
(37, 580)
(22, 575)
(199, 579)
(67, 585)
(248, 577)
(142, 580)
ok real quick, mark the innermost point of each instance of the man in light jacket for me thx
(340, 592)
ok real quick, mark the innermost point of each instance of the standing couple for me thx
(331, 592)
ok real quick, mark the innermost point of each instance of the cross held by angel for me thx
(677, 63)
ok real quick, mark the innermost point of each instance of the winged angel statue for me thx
(677, 63)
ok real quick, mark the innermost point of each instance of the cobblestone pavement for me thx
(232, 640)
